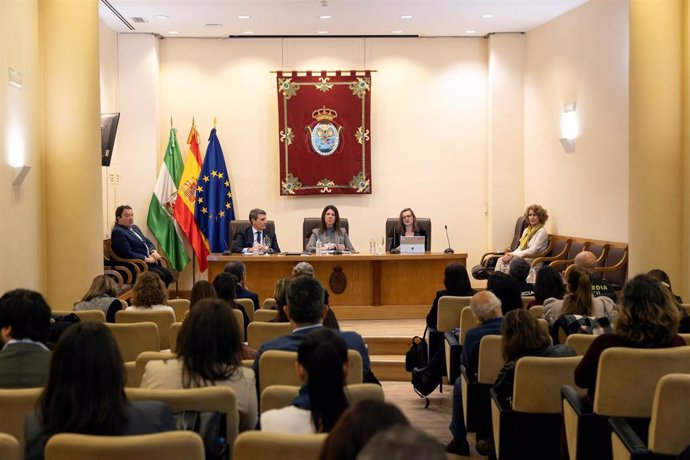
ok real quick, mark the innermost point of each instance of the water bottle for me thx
(318, 246)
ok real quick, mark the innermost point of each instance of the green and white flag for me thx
(160, 219)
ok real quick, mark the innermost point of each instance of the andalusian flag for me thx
(186, 197)
(160, 219)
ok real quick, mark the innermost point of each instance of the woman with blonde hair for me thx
(101, 296)
(149, 294)
(579, 300)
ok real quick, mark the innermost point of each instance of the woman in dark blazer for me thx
(406, 226)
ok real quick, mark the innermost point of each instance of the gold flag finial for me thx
(193, 122)
(214, 122)
(171, 123)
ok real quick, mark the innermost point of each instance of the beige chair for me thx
(9, 447)
(277, 396)
(475, 395)
(449, 308)
(254, 445)
(265, 315)
(686, 306)
(586, 424)
(181, 307)
(162, 318)
(467, 322)
(269, 303)
(260, 332)
(171, 445)
(544, 325)
(685, 337)
(248, 306)
(531, 428)
(133, 339)
(526, 300)
(95, 316)
(580, 342)
(143, 359)
(277, 367)
(206, 399)
(669, 429)
(174, 332)
(537, 311)
(16, 404)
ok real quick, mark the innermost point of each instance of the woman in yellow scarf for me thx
(534, 238)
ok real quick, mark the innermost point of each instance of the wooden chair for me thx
(9, 447)
(449, 312)
(133, 339)
(424, 223)
(171, 445)
(96, 316)
(264, 315)
(260, 332)
(520, 224)
(277, 367)
(252, 445)
(181, 307)
(537, 311)
(580, 342)
(248, 307)
(16, 404)
(526, 299)
(143, 359)
(531, 428)
(277, 396)
(269, 303)
(475, 394)
(586, 424)
(310, 223)
(174, 332)
(162, 318)
(669, 429)
(205, 399)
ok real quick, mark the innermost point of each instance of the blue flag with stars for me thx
(213, 209)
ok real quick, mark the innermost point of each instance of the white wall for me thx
(581, 56)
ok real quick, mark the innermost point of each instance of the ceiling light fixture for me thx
(322, 32)
(161, 16)
(243, 17)
(325, 17)
(406, 16)
(213, 24)
(173, 32)
(248, 32)
(488, 16)
(470, 31)
(396, 31)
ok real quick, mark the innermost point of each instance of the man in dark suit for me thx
(238, 269)
(306, 310)
(129, 242)
(255, 236)
(24, 329)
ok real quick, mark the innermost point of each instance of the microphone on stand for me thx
(448, 249)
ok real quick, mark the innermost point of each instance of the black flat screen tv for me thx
(109, 123)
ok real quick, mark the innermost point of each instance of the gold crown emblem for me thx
(324, 114)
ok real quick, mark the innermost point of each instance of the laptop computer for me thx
(412, 244)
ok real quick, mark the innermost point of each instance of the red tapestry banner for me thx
(324, 132)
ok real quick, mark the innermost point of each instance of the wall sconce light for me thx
(569, 127)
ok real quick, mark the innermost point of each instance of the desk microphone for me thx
(227, 251)
(448, 249)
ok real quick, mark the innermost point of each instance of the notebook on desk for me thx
(412, 244)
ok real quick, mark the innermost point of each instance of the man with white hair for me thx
(600, 287)
(487, 308)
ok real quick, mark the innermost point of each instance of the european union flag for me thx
(213, 209)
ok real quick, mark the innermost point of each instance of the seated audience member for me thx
(534, 238)
(507, 289)
(129, 242)
(579, 300)
(600, 287)
(523, 336)
(102, 295)
(201, 290)
(487, 308)
(280, 295)
(85, 393)
(402, 442)
(356, 427)
(520, 269)
(322, 367)
(209, 353)
(257, 236)
(647, 318)
(149, 294)
(457, 283)
(305, 312)
(306, 269)
(548, 283)
(226, 286)
(663, 278)
(24, 330)
(329, 235)
(238, 269)
(406, 226)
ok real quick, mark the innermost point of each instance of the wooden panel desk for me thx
(391, 279)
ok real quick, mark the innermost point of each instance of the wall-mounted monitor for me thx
(109, 123)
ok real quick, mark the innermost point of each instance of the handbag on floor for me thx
(418, 353)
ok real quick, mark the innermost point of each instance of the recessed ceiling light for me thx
(325, 17)
(161, 16)
(322, 32)
(470, 31)
(213, 24)
(248, 32)
(396, 31)
(406, 16)
(173, 32)
(243, 17)
(488, 16)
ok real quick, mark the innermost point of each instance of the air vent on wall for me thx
(138, 20)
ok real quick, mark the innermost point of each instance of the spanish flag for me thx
(186, 198)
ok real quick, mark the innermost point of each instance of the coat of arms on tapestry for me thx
(324, 132)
